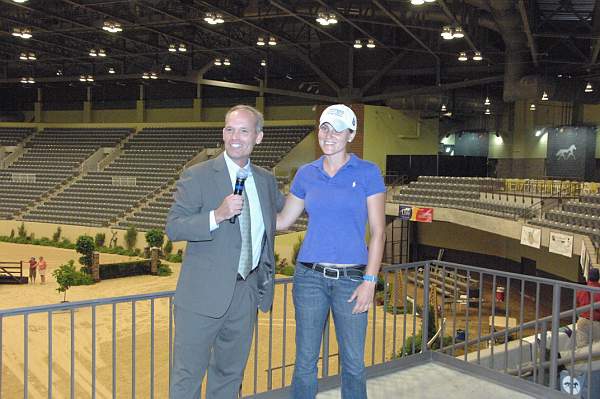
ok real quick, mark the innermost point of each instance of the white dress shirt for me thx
(256, 217)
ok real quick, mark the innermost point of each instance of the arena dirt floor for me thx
(114, 352)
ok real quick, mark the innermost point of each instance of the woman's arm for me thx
(290, 212)
(365, 292)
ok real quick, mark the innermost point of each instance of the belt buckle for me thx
(337, 272)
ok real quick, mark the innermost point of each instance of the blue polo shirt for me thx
(337, 209)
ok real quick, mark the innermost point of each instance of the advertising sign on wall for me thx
(561, 244)
(531, 236)
(416, 213)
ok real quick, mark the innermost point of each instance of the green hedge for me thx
(124, 269)
(66, 244)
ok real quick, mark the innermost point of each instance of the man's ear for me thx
(259, 138)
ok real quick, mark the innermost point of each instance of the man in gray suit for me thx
(228, 267)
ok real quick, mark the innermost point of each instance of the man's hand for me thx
(231, 206)
(363, 294)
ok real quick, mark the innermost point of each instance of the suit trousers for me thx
(219, 345)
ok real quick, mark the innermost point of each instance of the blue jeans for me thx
(314, 295)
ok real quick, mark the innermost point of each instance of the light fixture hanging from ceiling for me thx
(487, 111)
(487, 101)
(545, 96)
(588, 88)
(272, 41)
(260, 41)
(111, 70)
(218, 62)
(357, 44)
(462, 56)
(167, 68)
(263, 63)
(371, 43)
(477, 56)
(226, 62)
(532, 107)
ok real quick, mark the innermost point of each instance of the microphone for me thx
(240, 180)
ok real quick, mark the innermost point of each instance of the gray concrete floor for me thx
(432, 380)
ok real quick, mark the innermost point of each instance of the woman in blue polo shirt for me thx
(340, 193)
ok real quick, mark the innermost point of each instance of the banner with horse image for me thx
(570, 152)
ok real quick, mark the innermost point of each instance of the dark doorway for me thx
(528, 267)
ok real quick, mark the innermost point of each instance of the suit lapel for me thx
(222, 179)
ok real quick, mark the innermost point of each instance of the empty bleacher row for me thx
(13, 136)
(50, 158)
(149, 162)
(458, 193)
(576, 216)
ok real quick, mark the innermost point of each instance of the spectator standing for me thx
(32, 269)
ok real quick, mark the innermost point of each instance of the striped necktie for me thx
(245, 265)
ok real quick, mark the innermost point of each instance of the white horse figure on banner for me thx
(566, 153)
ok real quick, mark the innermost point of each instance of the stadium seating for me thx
(51, 158)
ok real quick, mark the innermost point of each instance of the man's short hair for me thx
(594, 274)
(260, 119)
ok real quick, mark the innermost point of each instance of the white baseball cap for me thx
(339, 116)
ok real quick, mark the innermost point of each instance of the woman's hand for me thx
(364, 297)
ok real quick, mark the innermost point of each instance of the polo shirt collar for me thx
(318, 163)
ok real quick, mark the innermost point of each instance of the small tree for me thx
(131, 237)
(65, 276)
(155, 238)
(22, 231)
(12, 233)
(100, 239)
(85, 246)
(56, 234)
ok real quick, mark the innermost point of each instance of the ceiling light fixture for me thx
(82, 78)
(27, 57)
(59, 72)
(182, 47)
(226, 62)
(357, 43)
(272, 41)
(172, 48)
(417, 2)
(443, 109)
(447, 33)
(167, 68)
(487, 111)
(153, 75)
(24, 33)
(487, 101)
(111, 70)
(462, 56)
(371, 43)
(263, 63)
(101, 53)
(477, 56)
(588, 87)
(112, 27)
(145, 75)
(20, 1)
(93, 53)
(213, 19)
(458, 33)
(27, 80)
(532, 107)
(545, 96)
(89, 78)
(260, 41)
(218, 62)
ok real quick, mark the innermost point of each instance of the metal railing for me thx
(121, 347)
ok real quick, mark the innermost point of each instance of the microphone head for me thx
(241, 174)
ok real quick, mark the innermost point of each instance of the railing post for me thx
(425, 322)
(555, 325)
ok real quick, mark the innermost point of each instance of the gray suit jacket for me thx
(208, 273)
